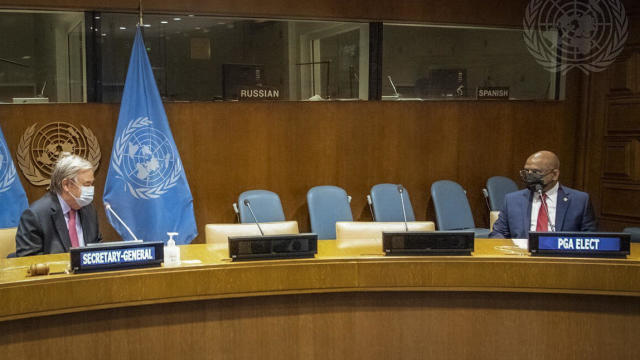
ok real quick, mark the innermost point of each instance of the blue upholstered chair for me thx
(386, 203)
(497, 188)
(452, 208)
(265, 204)
(635, 233)
(327, 205)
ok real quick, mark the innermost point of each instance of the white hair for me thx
(67, 167)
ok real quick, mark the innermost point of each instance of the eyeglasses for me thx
(536, 172)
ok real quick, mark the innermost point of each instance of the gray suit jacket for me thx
(43, 229)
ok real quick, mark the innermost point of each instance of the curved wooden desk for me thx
(346, 303)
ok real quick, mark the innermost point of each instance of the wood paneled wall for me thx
(289, 147)
(610, 118)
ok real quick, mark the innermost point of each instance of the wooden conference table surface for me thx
(206, 272)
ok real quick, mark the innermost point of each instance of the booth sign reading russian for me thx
(248, 93)
(39, 150)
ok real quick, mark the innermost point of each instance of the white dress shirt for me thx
(65, 210)
(552, 202)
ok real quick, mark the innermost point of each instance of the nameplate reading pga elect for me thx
(117, 256)
(576, 244)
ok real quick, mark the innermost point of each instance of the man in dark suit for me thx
(564, 209)
(63, 217)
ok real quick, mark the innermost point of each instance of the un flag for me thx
(146, 183)
(13, 200)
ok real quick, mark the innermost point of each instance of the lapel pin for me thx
(565, 199)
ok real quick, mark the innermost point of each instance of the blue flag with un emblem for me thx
(13, 199)
(146, 183)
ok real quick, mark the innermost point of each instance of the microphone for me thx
(236, 210)
(42, 91)
(108, 207)
(248, 204)
(485, 193)
(395, 91)
(404, 213)
(544, 206)
(373, 216)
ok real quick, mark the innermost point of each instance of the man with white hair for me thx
(64, 217)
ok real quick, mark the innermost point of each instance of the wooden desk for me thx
(347, 303)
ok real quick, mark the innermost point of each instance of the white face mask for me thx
(86, 195)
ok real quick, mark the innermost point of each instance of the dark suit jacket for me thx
(43, 229)
(573, 213)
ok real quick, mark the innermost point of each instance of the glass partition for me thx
(42, 57)
(452, 62)
(200, 58)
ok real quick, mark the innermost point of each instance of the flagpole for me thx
(140, 22)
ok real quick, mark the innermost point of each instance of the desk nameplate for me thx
(414, 243)
(288, 246)
(579, 244)
(116, 256)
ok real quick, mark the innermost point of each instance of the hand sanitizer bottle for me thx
(171, 252)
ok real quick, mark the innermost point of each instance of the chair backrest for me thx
(387, 206)
(451, 205)
(498, 187)
(7, 242)
(219, 233)
(635, 233)
(353, 233)
(265, 204)
(327, 205)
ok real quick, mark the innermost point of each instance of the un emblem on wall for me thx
(7, 172)
(39, 151)
(584, 34)
(144, 158)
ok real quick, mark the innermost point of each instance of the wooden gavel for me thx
(38, 269)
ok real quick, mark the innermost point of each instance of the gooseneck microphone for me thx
(485, 194)
(108, 207)
(404, 213)
(248, 204)
(545, 207)
(236, 210)
(395, 91)
(373, 216)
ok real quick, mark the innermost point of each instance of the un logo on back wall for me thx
(39, 150)
(145, 159)
(583, 34)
